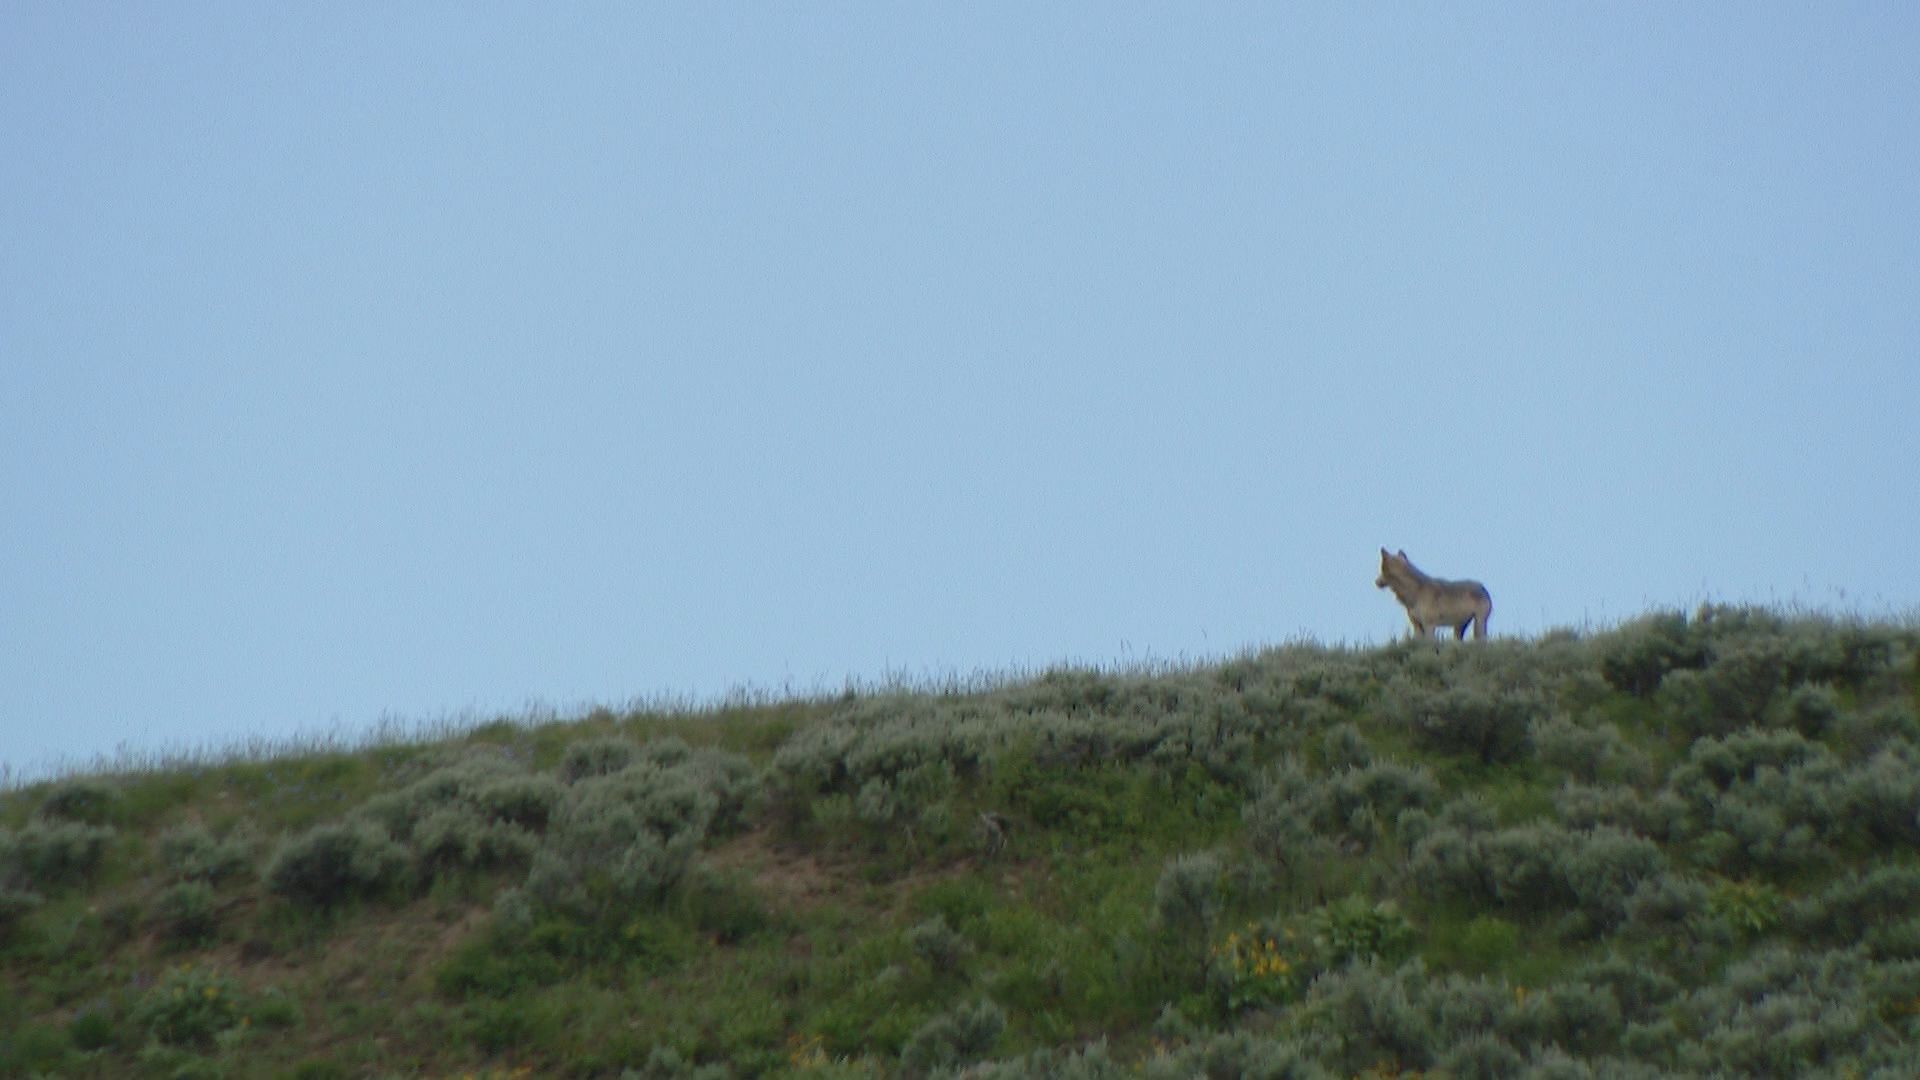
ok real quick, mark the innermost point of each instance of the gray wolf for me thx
(1434, 603)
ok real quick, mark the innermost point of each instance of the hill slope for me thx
(1684, 845)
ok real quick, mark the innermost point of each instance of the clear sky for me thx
(419, 360)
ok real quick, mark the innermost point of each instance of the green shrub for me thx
(184, 913)
(190, 853)
(1748, 907)
(1188, 898)
(190, 1007)
(666, 1063)
(93, 1028)
(1573, 1015)
(1673, 904)
(1488, 943)
(1092, 1062)
(85, 800)
(876, 804)
(333, 863)
(1779, 1011)
(1250, 968)
(456, 838)
(1280, 818)
(591, 758)
(1294, 815)
(15, 906)
(960, 1037)
(618, 844)
(1771, 800)
(485, 786)
(525, 802)
(1490, 724)
(1369, 1016)
(1744, 678)
(1882, 797)
(1588, 752)
(1604, 867)
(33, 1050)
(1638, 655)
(1859, 899)
(1642, 992)
(939, 946)
(1358, 929)
(52, 854)
(1481, 1056)
(1540, 868)
(1810, 709)
(1228, 1055)
(1344, 747)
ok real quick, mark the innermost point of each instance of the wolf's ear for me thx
(1383, 555)
(1403, 553)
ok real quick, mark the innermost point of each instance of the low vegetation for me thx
(1687, 845)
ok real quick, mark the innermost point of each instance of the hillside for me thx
(1685, 845)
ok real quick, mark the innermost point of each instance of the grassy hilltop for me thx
(1687, 845)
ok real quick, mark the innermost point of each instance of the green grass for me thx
(825, 883)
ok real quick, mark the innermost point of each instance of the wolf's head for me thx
(1394, 566)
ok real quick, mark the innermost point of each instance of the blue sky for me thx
(361, 361)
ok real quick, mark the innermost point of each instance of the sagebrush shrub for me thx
(1574, 1015)
(1091, 1062)
(1225, 1055)
(876, 803)
(333, 863)
(1778, 1010)
(666, 1063)
(1772, 800)
(960, 1037)
(50, 855)
(457, 838)
(1541, 867)
(189, 852)
(1371, 1015)
(1588, 752)
(1490, 723)
(1638, 655)
(602, 862)
(189, 1007)
(1481, 1056)
(1604, 867)
(1671, 903)
(1345, 747)
(1861, 898)
(1659, 816)
(15, 906)
(589, 758)
(184, 913)
(487, 788)
(526, 802)
(1293, 814)
(1810, 709)
(938, 945)
(85, 800)
(1882, 797)
(624, 840)
(1191, 893)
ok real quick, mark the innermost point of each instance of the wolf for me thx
(1432, 602)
